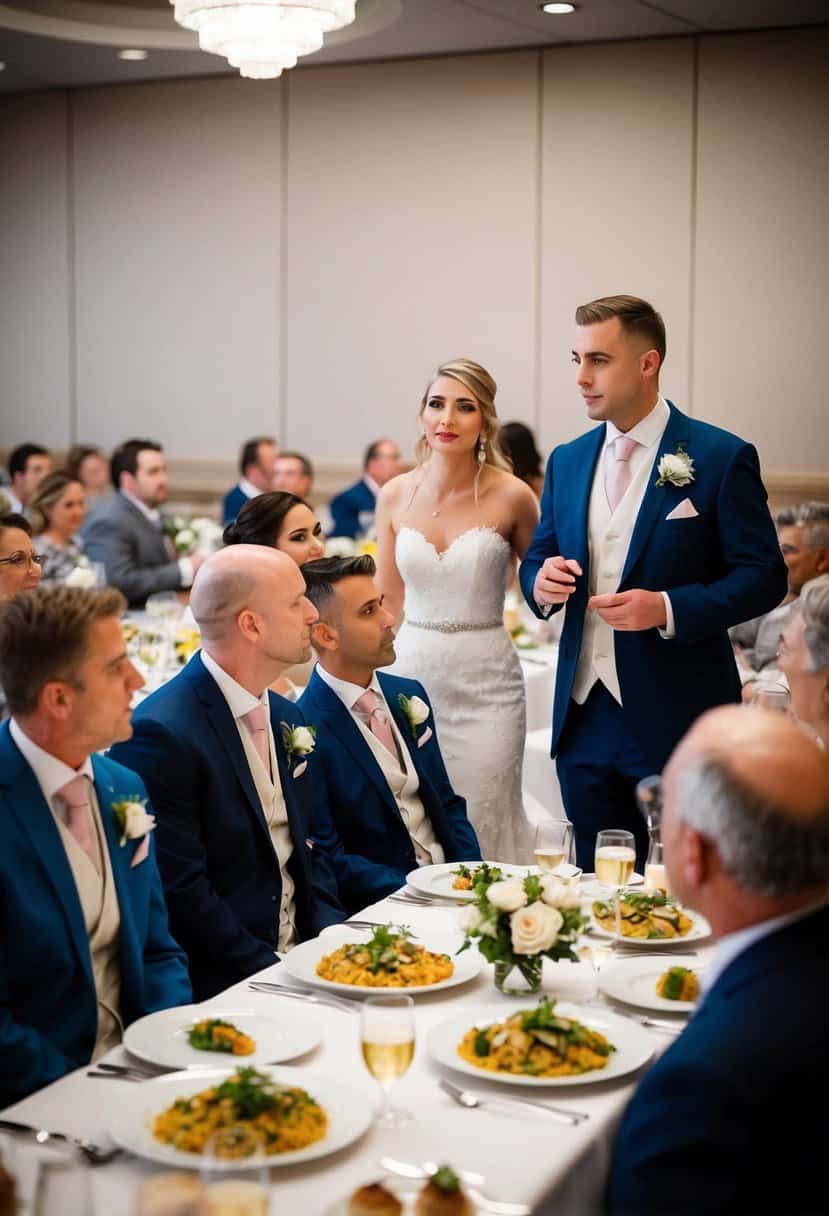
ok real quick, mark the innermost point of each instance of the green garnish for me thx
(250, 1091)
(388, 947)
(482, 1047)
(201, 1037)
(446, 1180)
(672, 987)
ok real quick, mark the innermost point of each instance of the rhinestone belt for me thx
(454, 626)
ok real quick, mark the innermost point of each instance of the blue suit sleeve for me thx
(755, 579)
(166, 982)
(544, 544)
(28, 1060)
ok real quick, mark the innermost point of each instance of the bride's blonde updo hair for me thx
(483, 388)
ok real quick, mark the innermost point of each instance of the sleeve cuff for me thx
(185, 569)
(670, 628)
(544, 609)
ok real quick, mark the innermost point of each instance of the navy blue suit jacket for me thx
(719, 1123)
(48, 1007)
(719, 567)
(345, 509)
(220, 872)
(232, 503)
(356, 819)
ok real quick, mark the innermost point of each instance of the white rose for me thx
(488, 928)
(553, 891)
(469, 919)
(418, 710)
(303, 740)
(535, 928)
(507, 896)
(676, 468)
(81, 576)
(185, 538)
(136, 821)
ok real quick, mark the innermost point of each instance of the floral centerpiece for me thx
(193, 534)
(518, 922)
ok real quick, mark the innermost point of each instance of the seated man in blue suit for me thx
(719, 1124)
(386, 804)
(84, 944)
(230, 768)
(352, 511)
(655, 534)
(256, 465)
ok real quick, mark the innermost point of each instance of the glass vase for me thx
(519, 976)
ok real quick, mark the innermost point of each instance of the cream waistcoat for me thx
(276, 816)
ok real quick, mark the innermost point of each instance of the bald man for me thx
(230, 775)
(719, 1124)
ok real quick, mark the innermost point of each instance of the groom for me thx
(656, 536)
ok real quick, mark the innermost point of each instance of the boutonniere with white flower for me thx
(132, 818)
(416, 712)
(298, 741)
(675, 468)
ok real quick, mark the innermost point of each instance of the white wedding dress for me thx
(472, 675)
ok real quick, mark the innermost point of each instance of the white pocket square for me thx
(683, 510)
(141, 852)
(425, 737)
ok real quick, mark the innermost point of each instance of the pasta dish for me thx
(466, 876)
(389, 960)
(651, 915)
(678, 984)
(536, 1043)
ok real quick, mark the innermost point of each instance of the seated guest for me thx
(256, 462)
(293, 473)
(85, 944)
(126, 532)
(352, 510)
(280, 521)
(90, 467)
(28, 465)
(385, 804)
(231, 777)
(745, 831)
(19, 566)
(518, 445)
(804, 657)
(57, 510)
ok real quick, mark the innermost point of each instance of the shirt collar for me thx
(239, 700)
(648, 430)
(734, 944)
(51, 773)
(151, 513)
(372, 484)
(347, 692)
(15, 504)
(248, 488)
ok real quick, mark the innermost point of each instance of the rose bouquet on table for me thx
(193, 534)
(518, 922)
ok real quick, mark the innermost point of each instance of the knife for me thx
(299, 994)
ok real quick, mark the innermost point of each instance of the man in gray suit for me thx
(126, 531)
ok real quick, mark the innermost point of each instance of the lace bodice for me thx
(466, 582)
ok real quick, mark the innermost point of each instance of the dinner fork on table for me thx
(92, 1152)
(472, 1101)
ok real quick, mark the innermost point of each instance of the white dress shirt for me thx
(248, 488)
(185, 566)
(50, 773)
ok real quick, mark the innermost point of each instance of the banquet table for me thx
(521, 1156)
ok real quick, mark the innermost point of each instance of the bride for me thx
(448, 533)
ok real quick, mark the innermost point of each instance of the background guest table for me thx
(520, 1155)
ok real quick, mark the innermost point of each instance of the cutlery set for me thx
(92, 1153)
(305, 994)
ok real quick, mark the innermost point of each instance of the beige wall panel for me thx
(617, 155)
(763, 243)
(34, 272)
(178, 222)
(410, 240)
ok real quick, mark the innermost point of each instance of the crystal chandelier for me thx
(262, 37)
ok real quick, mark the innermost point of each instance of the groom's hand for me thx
(555, 581)
(631, 609)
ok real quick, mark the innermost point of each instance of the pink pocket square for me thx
(683, 510)
(141, 852)
(425, 737)
(300, 769)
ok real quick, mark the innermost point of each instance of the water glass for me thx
(770, 694)
(387, 1041)
(228, 1189)
(553, 844)
(615, 857)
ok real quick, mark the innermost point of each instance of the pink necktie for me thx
(378, 722)
(256, 720)
(79, 816)
(617, 470)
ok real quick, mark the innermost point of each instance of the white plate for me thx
(161, 1038)
(634, 1046)
(633, 980)
(302, 961)
(437, 880)
(700, 928)
(349, 1114)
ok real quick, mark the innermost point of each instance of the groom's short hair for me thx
(635, 316)
(322, 575)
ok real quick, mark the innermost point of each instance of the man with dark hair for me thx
(352, 511)
(293, 473)
(126, 531)
(384, 804)
(85, 947)
(656, 535)
(256, 465)
(28, 465)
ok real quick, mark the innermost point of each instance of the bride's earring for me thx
(481, 449)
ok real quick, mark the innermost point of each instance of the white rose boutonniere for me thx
(535, 928)
(675, 468)
(298, 741)
(132, 818)
(416, 712)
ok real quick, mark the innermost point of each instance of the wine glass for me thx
(553, 844)
(595, 952)
(228, 1189)
(170, 1194)
(770, 694)
(387, 1039)
(615, 857)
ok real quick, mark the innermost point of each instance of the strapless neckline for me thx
(441, 553)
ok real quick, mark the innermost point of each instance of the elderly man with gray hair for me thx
(804, 657)
(719, 1124)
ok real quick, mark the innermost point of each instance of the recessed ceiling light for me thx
(557, 10)
(132, 54)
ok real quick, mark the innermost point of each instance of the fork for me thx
(465, 1097)
(483, 1203)
(303, 994)
(93, 1154)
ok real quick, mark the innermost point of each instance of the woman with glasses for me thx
(19, 565)
(57, 512)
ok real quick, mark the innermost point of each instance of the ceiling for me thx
(71, 43)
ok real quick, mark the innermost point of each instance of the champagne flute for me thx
(553, 844)
(387, 1039)
(615, 857)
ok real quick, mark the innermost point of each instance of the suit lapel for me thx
(120, 859)
(340, 721)
(654, 500)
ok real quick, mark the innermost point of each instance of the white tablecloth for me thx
(520, 1156)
